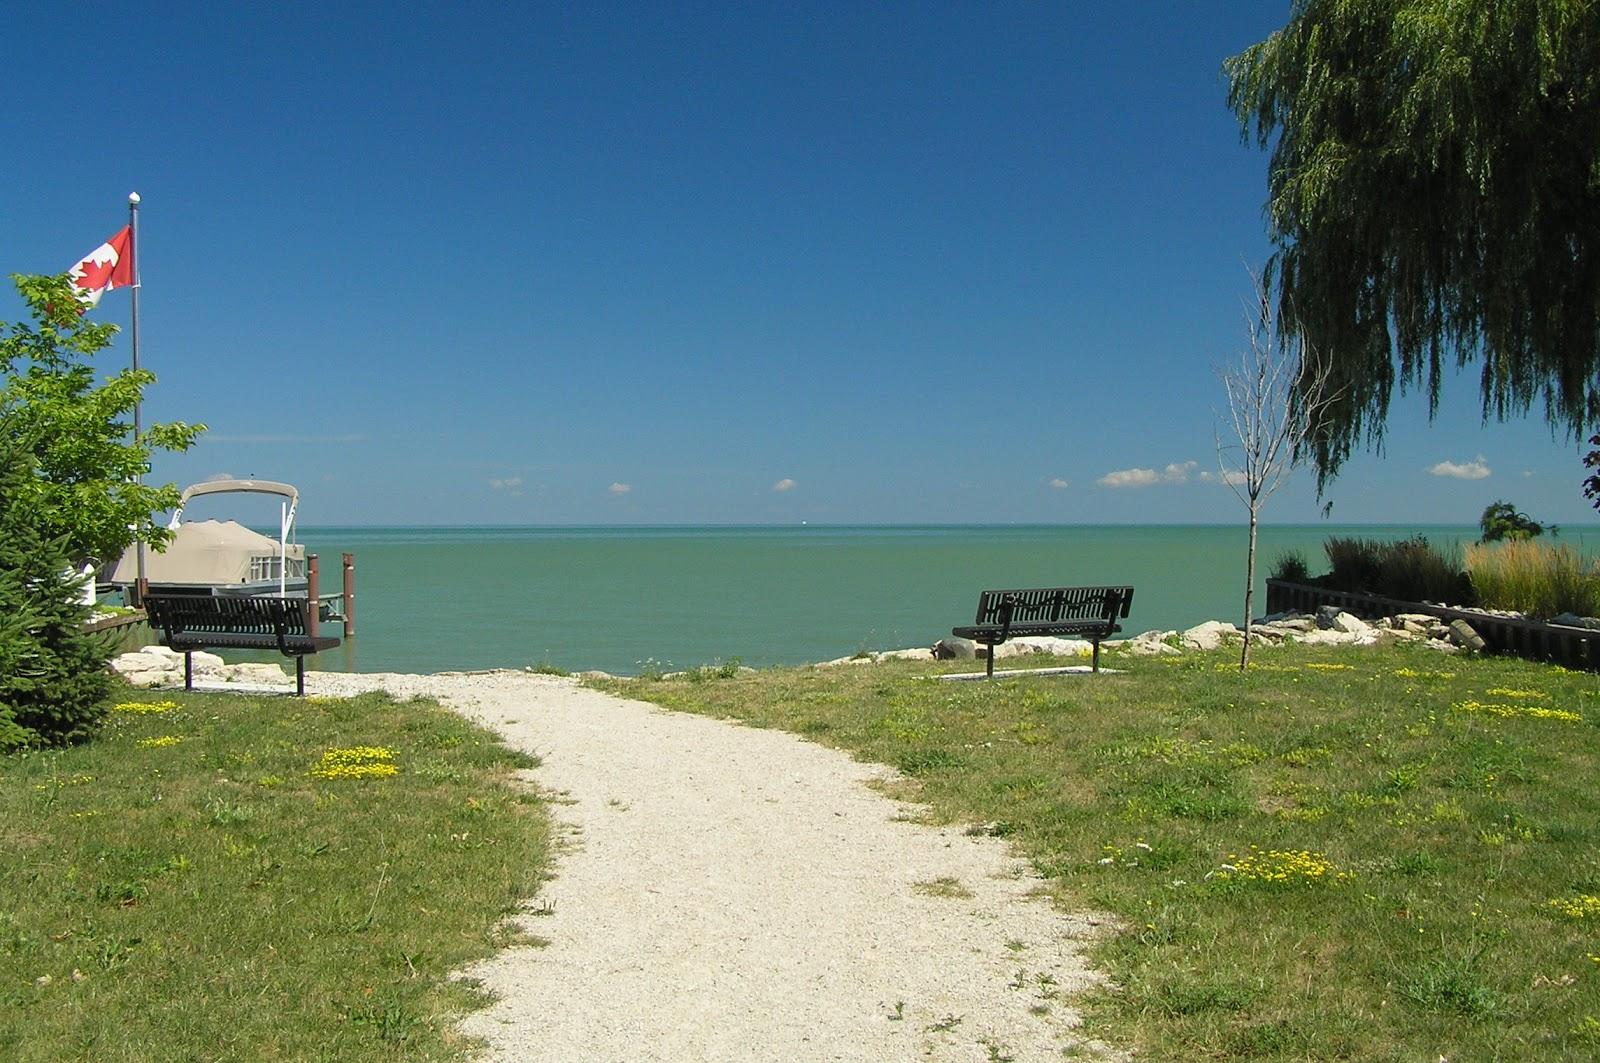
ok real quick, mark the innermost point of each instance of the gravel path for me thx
(730, 893)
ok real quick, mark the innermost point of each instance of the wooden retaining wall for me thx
(1572, 647)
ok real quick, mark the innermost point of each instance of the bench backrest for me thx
(221, 614)
(1048, 605)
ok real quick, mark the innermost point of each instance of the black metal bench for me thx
(1089, 612)
(190, 622)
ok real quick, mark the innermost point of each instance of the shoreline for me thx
(157, 666)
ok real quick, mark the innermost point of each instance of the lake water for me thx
(434, 599)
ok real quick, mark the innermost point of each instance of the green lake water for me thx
(434, 599)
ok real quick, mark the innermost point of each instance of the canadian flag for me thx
(108, 266)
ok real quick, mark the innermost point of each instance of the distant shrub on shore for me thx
(1540, 579)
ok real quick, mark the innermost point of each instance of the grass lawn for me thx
(1347, 854)
(188, 886)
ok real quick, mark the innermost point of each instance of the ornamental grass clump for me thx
(1408, 569)
(357, 762)
(1540, 579)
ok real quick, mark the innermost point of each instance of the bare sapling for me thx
(1277, 393)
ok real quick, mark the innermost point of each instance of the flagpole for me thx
(133, 250)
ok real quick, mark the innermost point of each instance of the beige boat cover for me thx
(203, 553)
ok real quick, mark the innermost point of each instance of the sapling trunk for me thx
(1249, 588)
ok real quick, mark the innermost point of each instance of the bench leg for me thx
(188, 669)
(1096, 643)
(988, 663)
(300, 676)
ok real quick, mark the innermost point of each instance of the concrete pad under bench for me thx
(1006, 673)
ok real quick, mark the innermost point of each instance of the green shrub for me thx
(1409, 569)
(53, 677)
(1539, 579)
(1291, 566)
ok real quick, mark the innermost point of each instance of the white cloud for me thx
(219, 476)
(620, 489)
(510, 483)
(1059, 484)
(1129, 478)
(1231, 478)
(1477, 469)
(1527, 474)
(784, 484)
(1176, 473)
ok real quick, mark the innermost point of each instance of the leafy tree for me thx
(83, 489)
(1591, 484)
(53, 676)
(1501, 520)
(1434, 195)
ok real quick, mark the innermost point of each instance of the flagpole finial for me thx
(133, 199)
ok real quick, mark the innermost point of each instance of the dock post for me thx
(349, 595)
(313, 601)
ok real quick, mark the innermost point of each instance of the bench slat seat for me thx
(1092, 612)
(190, 622)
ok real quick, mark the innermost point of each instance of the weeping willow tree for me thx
(1434, 199)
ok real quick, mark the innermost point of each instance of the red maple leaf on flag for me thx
(96, 275)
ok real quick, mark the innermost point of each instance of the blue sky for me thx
(485, 263)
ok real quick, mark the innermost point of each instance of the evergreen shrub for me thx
(53, 677)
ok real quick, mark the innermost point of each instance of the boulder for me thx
(1146, 644)
(253, 673)
(206, 664)
(1050, 644)
(1209, 635)
(1328, 638)
(904, 655)
(1325, 615)
(1268, 632)
(1350, 624)
(143, 669)
(1573, 620)
(1417, 623)
(1294, 624)
(1462, 635)
(954, 649)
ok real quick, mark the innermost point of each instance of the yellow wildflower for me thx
(145, 708)
(1280, 867)
(1507, 712)
(358, 762)
(159, 742)
(1581, 906)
